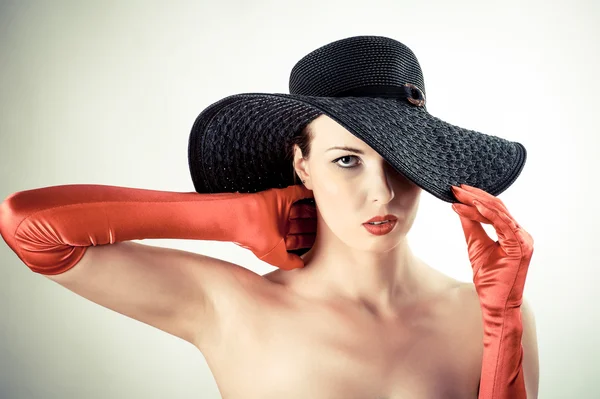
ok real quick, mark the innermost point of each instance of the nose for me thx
(380, 185)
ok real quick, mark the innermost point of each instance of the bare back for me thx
(274, 344)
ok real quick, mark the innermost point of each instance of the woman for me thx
(357, 316)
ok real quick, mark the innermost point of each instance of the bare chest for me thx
(278, 350)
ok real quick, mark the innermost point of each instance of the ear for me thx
(301, 167)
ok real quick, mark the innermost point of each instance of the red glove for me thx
(50, 228)
(499, 272)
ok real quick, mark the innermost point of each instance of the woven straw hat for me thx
(372, 86)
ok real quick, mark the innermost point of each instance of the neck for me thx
(377, 281)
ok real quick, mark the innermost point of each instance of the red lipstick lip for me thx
(381, 218)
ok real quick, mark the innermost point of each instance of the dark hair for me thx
(303, 140)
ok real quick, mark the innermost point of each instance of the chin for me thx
(372, 243)
(385, 246)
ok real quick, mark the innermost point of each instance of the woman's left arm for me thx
(531, 364)
(499, 273)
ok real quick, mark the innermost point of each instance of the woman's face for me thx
(351, 187)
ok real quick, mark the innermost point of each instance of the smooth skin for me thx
(364, 318)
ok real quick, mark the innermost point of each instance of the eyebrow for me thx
(346, 148)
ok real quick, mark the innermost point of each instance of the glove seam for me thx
(500, 352)
(272, 249)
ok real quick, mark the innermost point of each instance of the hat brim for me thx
(241, 143)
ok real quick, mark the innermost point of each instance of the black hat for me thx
(372, 86)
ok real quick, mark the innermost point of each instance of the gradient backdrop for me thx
(105, 92)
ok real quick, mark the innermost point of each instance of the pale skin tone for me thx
(366, 289)
(364, 319)
(377, 273)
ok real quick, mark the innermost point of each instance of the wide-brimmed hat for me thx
(373, 86)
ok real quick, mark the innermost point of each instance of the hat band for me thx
(408, 91)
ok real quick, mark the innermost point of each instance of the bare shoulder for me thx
(468, 299)
(467, 292)
(459, 302)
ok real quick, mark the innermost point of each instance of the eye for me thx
(335, 161)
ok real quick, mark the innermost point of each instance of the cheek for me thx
(338, 201)
(413, 197)
(329, 187)
(411, 207)
(340, 210)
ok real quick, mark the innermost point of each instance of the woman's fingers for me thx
(467, 194)
(478, 242)
(302, 226)
(303, 211)
(514, 240)
(299, 241)
(470, 212)
(504, 225)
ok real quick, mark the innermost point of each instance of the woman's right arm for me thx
(78, 234)
(170, 289)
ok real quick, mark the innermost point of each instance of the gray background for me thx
(105, 92)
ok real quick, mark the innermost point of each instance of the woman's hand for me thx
(284, 223)
(499, 267)
(499, 272)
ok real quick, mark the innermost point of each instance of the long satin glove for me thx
(50, 228)
(499, 273)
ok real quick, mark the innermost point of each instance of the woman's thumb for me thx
(281, 258)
